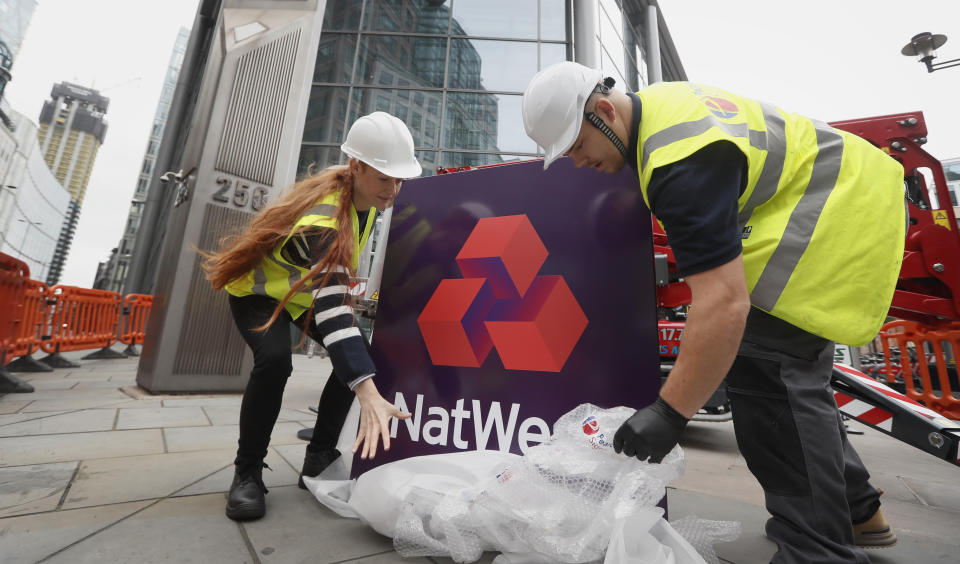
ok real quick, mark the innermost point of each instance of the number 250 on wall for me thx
(242, 195)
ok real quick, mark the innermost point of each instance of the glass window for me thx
(552, 53)
(516, 19)
(491, 65)
(418, 98)
(334, 57)
(611, 40)
(386, 78)
(433, 107)
(452, 160)
(321, 125)
(612, 10)
(342, 14)
(406, 15)
(952, 171)
(429, 160)
(485, 122)
(314, 158)
(383, 104)
(420, 59)
(610, 68)
(367, 100)
(553, 19)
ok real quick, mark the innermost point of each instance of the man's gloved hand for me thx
(650, 432)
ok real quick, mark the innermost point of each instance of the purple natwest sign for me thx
(509, 296)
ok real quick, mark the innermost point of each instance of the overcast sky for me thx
(831, 60)
(121, 48)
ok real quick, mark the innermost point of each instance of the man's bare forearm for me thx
(711, 337)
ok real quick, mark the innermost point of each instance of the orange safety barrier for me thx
(136, 309)
(82, 319)
(32, 327)
(13, 278)
(14, 275)
(921, 348)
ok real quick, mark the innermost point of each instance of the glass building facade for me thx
(14, 18)
(454, 71)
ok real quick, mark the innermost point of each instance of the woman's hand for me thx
(375, 413)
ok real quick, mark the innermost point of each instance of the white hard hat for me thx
(553, 106)
(383, 142)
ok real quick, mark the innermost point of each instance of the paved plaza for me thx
(93, 469)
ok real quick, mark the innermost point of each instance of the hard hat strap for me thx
(595, 120)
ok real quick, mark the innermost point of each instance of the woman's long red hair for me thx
(243, 252)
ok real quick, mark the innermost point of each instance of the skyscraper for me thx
(72, 128)
(112, 274)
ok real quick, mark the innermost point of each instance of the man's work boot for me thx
(316, 462)
(874, 532)
(246, 499)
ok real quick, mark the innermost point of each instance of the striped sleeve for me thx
(335, 327)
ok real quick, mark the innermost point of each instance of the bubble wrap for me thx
(561, 499)
(704, 533)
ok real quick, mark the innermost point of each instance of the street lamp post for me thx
(925, 45)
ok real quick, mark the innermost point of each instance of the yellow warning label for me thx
(940, 218)
(376, 295)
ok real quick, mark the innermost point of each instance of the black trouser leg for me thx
(272, 366)
(335, 402)
(788, 429)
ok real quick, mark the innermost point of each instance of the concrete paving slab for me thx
(140, 403)
(71, 422)
(18, 417)
(230, 415)
(90, 376)
(714, 464)
(292, 454)
(299, 529)
(184, 439)
(104, 384)
(148, 418)
(31, 538)
(131, 478)
(97, 394)
(218, 401)
(183, 530)
(19, 451)
(9, 405)
(70, 404)
(51, 384)
(390, 557)
(752, 547)
(942, 495)
(33, 488)
(279, 474)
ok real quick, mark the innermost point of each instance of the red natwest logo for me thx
(533, 321)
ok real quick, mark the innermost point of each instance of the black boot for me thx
(246, 501)
(316, 462)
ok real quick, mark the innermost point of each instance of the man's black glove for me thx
(650, 432)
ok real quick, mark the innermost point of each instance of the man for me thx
(789, 234)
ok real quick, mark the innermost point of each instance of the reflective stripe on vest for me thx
(801, 214)
(275, 276)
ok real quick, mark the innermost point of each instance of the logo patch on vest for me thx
(716, 103)
(746, 232)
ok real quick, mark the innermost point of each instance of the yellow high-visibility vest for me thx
(822, 215)
(274, 276)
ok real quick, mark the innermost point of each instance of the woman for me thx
(293, 264)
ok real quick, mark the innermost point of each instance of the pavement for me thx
(94, 469)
